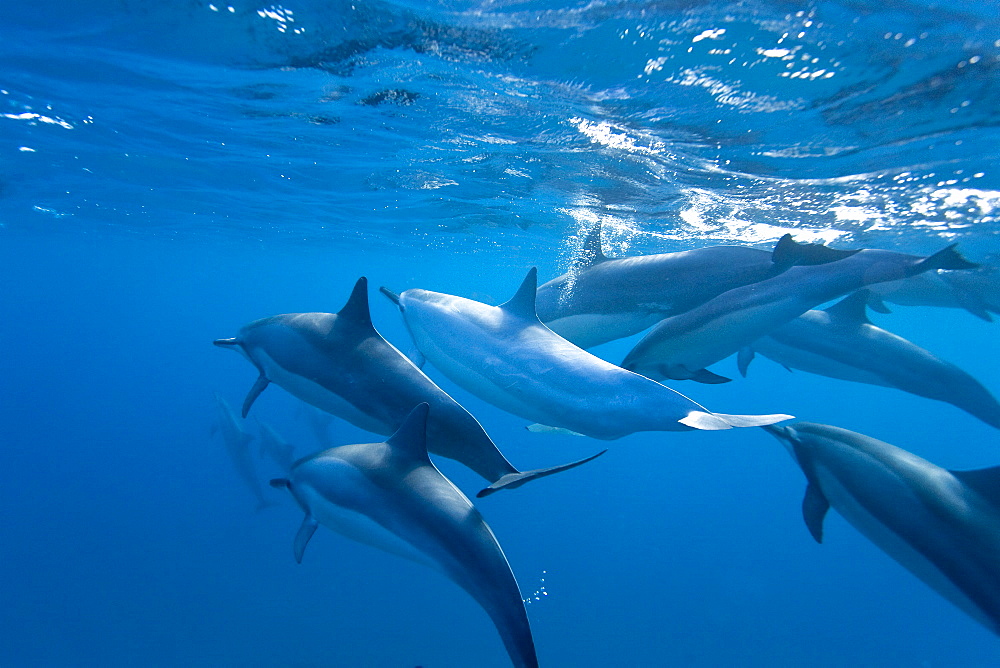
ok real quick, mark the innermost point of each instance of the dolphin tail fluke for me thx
(515, 480)
(946, 258)
(716, 421)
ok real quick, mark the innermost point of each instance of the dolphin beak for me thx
(226, 343)
(392, 296)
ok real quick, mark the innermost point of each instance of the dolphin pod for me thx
(507, 357)
(840, 342)
(603, 299)
(682, 346)
(339, 363)
(389, 495)
(940, 524)
(943, 526)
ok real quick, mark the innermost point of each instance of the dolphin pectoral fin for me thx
(814, 507)
(877, 304)
(715, 421)
(974, 305)
(306, 531)
(707, 377)
(254, 392)
(743, 359)
(515, 480)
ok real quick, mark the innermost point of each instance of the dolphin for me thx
(602, 299)
(507, 357)
(840, 342)
(942, 525)
(681, 346)
(238, 446)
(275, 447)
(389, 495)
(977, 291)
(339, 363)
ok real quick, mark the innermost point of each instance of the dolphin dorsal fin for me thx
(852, 310)
(985, 482)
(356, 309)
(411, 436)
(790, 253)
(522, 304)
(591, 253)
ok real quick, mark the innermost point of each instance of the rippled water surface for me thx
(172, 170)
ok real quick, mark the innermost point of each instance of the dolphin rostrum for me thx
(602, 299)
(942, 525)
(237, 443)
(681, 346)
(339, 363)
(507, 357)
(389, 495)
(840, 342)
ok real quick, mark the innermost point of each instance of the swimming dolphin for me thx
(507, 357)
(275, 447)
(603, 299)
(339, 363)
(840, 342)
(681, 346)
(237, 443)
(389, 495)
(977, 291)
(943, 526)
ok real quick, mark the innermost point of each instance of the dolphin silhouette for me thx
(507, 357)
(275, 447)
(602, 299)
(942, 525)
(237, 443)
(339, 363)
(389, 495)
(840, 342)
(977, 291)
(681, 346)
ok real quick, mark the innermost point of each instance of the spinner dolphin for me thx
(943, 526)
(389, 495)
(507, 357)
(682, 346)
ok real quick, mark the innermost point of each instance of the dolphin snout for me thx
(225, 343)
(392, 296)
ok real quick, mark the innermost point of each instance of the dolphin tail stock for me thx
(716, 421)
(946, 258)
(518, 478)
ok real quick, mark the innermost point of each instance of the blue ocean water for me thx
(171, 171)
